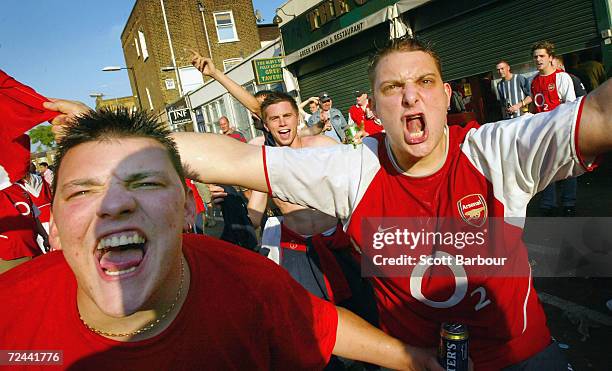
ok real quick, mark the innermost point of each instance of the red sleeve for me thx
(352, 115)
(196, 195)
(263, 151)
(595, 162)
(21, 109)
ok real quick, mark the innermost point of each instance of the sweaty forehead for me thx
(406, 64)
(108, 156)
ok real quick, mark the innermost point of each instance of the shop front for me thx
(328, 47)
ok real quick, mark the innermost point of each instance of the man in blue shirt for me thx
(332, 120)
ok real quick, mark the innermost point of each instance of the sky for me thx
(60, 47)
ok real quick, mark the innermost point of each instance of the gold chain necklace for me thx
(150, 325)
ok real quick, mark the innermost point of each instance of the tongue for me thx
(116, 260)
(414, 126)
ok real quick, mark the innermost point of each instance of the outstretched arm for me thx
(222, 160)
(595, 135)
(357, 339)
(206, 66)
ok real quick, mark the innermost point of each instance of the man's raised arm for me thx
(595, 130)
(206, 66)
(222, 160)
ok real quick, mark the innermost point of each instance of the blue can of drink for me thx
(453, 350)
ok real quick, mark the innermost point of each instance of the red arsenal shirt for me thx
(550, 91)
(490, 174)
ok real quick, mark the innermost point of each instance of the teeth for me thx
(118, 273)
(416, 134)
(120, 240)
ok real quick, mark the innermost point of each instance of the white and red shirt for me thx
(360, 114)
(493, 171)
(17, 224)
(40, 193)
(549, 91)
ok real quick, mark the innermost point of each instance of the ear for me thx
(266, 126)
(449, 91)
(54, 239)
(190, 210)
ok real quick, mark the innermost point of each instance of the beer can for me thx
(350, 131)
(453, 349)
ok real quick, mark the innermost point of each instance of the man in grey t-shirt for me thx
(513, 91)
(332, 119)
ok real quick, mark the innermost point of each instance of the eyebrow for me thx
(143, 175)
(82, 182)
(85, 182)
(420, 77)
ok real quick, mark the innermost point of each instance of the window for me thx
(243, 118)
(137, 48)
(143, 45)
(169, 84)
(150, 101)
(226, 30)
(229, 63)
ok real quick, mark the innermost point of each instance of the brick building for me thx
(128, 102)
(158, 35)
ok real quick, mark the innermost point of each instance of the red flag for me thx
(20, 110)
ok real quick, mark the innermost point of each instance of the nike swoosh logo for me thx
(381, 229)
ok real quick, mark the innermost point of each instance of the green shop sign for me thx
(325, 18)
(268, 70)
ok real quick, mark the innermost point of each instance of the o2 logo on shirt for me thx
(473, 209)
(23, 208)
(540, 101)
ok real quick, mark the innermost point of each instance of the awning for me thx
(391, 13)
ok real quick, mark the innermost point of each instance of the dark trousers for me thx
(568, 194)
(237, 227)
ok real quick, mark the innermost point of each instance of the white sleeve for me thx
(520, 157)
(330, 179)
(565, 88)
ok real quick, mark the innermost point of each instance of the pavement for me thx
(578, 317)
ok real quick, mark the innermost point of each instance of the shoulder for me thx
(458, 133)
(258, 141)
(317, 141)
(44, 274)
(228, 262)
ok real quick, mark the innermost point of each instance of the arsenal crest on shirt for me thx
(473, 209)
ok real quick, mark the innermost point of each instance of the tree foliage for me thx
(42, 134)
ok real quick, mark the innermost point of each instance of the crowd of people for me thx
(132, 285)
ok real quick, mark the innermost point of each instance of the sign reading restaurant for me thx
(268, 70)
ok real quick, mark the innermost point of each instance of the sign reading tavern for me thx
(330, 10)
(268, 70)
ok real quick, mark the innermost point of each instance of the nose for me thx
(410, 94)
(117, 202)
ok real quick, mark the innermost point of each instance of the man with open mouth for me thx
(129, 290)
(422, 168)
